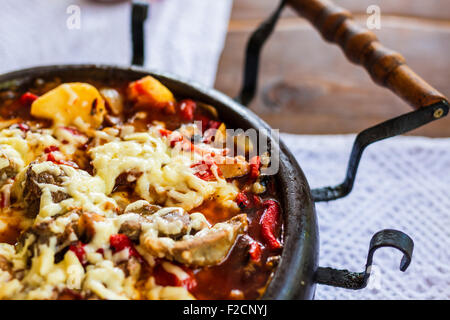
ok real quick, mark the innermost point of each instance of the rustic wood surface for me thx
(308, 86)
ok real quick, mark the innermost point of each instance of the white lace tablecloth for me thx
(182, 37)
(403, 183)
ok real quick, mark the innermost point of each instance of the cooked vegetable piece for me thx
(114, 100)
(220, 135)
(121, 242)
(171, 222)
(204, 170)
(187, 109)
(10, 163)
(242, 200)
(85, 225)
(150, 93)
(28, 98)
(164, 277)
(78, 249)
(70, 101)
(81, 240)
(255, 165)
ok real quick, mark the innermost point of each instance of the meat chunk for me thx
(132, 229)
(36, 177)
(210, 246)
(142, 207)
(169, 222)
(207, 247)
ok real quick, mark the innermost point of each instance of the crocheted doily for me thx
(402, 183)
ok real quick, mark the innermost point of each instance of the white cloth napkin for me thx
(184, 37)
(402, 183)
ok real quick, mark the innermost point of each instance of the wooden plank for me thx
(307, 85)
(435, 9)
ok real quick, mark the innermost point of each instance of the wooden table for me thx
(307, 85)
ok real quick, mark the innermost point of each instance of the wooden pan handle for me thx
(361, 46)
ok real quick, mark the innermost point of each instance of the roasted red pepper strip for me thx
(165, 132)
(119, 242)
(79, 251)
(187, 109)
(268, 222)
(73, 131)
(245, 200)
(51, 157)
(28, 98)
(164, 278)
(255, 251)
(203, 170)
(175, 140)
(213, 124)
(24, 127)
(189, 283)
(256, 200)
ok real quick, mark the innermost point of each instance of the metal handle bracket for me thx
(387, 129)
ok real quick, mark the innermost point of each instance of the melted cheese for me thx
(175, 270)
(105, 280)
(13, 138)
(84, 191)
(26, 147)
(44, 276)
(10, 156)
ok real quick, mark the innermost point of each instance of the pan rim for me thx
(294, 276)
